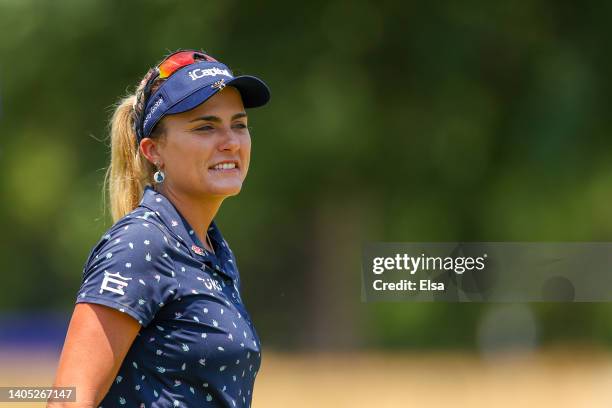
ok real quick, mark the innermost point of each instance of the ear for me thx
(151, 150)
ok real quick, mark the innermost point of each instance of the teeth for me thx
(225, 166)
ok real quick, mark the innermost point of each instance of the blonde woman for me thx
(159, 321)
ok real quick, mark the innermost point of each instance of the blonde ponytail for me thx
(129, 170)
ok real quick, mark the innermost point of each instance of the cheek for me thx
(188, 159)
(246, 152)
(245, 158)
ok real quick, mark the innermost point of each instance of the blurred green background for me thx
(389, 121)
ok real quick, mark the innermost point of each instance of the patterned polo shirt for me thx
(197, 345)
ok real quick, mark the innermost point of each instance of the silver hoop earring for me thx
(159, 175)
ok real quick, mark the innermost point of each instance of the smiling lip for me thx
(225, 165)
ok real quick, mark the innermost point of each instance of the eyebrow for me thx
(213, 118)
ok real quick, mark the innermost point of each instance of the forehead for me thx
(226, 102)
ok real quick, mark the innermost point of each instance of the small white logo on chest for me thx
(210, 283)
(112, 279)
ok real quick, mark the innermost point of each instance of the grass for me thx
(555, 378)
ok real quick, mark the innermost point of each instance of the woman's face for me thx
(207, 149)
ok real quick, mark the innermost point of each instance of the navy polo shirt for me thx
(197, 346)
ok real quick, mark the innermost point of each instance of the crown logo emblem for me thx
(220, 84)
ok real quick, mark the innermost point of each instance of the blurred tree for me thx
(389, 121)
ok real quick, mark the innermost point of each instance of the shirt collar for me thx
(178, 226)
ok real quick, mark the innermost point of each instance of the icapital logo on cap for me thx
(200, 73)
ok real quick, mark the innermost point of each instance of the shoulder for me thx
(130, 269)
(133, 237)
(138, 224)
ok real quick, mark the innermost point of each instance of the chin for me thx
(225, 190)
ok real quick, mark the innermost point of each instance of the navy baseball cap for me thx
(192, 85)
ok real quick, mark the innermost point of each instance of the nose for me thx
(229, 142)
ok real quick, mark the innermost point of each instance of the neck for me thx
(198, 211)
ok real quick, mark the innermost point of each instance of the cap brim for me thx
(253, 90)
(254, 93)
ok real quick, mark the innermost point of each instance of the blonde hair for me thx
(129, 170)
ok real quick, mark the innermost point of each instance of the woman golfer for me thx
(159, 321)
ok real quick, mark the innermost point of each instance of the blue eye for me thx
(206, 128)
